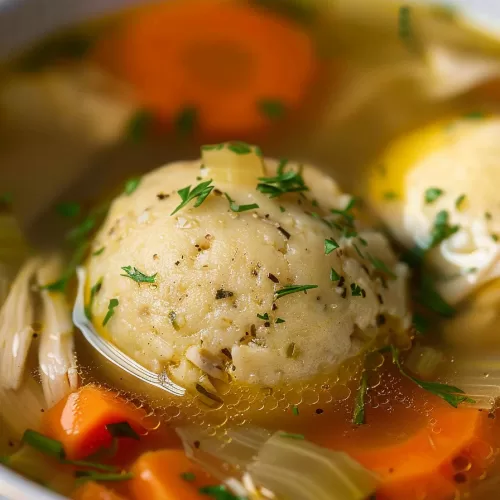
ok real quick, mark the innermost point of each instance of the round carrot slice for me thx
(230, 67)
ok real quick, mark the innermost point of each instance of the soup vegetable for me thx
(283, 225)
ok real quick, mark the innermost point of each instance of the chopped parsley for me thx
(87, 475)
(212, 147)
(358, 417)
(358, 251)
(282, 209)
(44, 444)
(405, 23)
(68, 209)
(432, 194)
(379, 265)
(357, 291)
(122, 430)
(289, 289)
(346, 212)
(93, 292)
(459, 201)
(442, 230)
(263, 317)
(185, 121)
(239, 147)
(188, 476)
(420, 323)
(98, 252)
(334, 275)
(271, 108)
(223, 294)
(330, 246)
(284, 182)
(240, 208)
(113, 303)
(295, 411)
(134, 274)
(279, 321)
(172, 316)
(290, 435)
(494, 237)
(131, 185)
(6, 200)
(200, 193)
(219, 492)
(452, 395)
(139, 125)
(474, 115)
(390, 195)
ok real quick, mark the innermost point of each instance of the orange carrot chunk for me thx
(167, 475)
(79, 421)
(222, 67)
(94, 491)
(422, 465)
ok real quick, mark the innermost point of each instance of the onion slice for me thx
(16, 320)
(278, 465)
(57, 359)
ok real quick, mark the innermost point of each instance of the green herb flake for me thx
(474, 115)
(290, 435)
(219, 492)
(98, 252)
(295, 410)
(390, 195)
(330, 246)
(452, 395)
(44, 444)
(240, 208)
(459, 201)
(6, 200)
(131, 185)
(289, 289)
(432, 194)
(239, 147)
(284, 182)
(346, 212)
(85, 475)
(358, 251)
(494, 237)
(200, 193)
(271, 108)
(279, 321)
(139, 125)
(186, 120)
(282, 209)
(430, 298)
(380, 265)
(172, 316)
(134, 274)
(68, 209)
(442, 230)
(358, 417)
(122, 430)
(334, 275)
(488, 216)
(420, 323)
(357, 291)
(212, 147)
(405, 28)
(188, 476)
(93, 292)
(113, 303)
(263, 317)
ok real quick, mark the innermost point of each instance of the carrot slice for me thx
(79, 421)
(422, 465)
(167, 475)
(94, 491)
(228, 66)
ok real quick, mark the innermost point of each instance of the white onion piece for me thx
(57, 359)
(16, 319)
(277, 465)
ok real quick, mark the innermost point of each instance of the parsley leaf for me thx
(122, 430)
(240, 208)
(93, 292)
(271, 108)
(279, 321)
(200, 192)
(334, 275)
(284, 182)
(346, 212)
(239, 147)
(111, 310)
(263, 317)
(459, 201)
(452, 395)
(358, 417)
(290, 435)
(330, 246)
(390, 195)
(139, 125)
(405, 23)
(131, 185)
(6, 199)
(68, 209)
(219, 492)
(98, 252)
(357, 291)
(185, 121)
(442, 229)
(134, 274)
(87, 475)
(188, 476)
(289, 289)
(44, 444)
(295, 411)
(432, 194)
(420, 323)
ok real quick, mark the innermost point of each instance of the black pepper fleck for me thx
(223, 294)
(218, 192)
(341, 281)
(380, 299)
(178, 262)
(196, 444)
(162, 196)
(284, 232)
(344, 293)
(380, 320)
(226, 352)
(267, 324)
(273, 278)
(275, 307)
(319, 411)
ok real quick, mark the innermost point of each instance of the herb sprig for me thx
(93, 292)
(134, 274)
(442, 230)
(283, 182)
(240, 208)
(199, 192)
(432, 194)
(289, 289)
(358, 417)
(113, 303)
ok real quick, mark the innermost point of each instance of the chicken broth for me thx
(308, 288)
